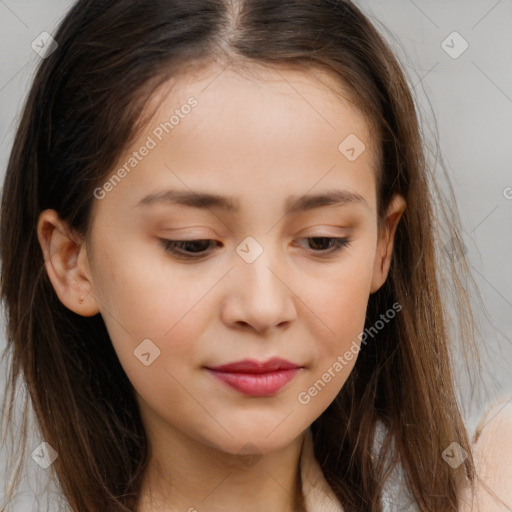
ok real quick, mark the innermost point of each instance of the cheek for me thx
(339, 297)
(347, 311)
(141, 301)
(340, 301)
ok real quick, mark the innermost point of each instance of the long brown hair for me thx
(84, 108)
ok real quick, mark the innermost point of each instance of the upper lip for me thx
(251, 366)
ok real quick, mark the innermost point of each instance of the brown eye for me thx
(327, 244)
(187, 248)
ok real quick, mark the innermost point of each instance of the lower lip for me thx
(256, 384)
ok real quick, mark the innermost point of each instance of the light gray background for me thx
(470, 97)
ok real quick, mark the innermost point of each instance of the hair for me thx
(87, 104)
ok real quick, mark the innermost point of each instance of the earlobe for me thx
(64, 255)
(385, 242)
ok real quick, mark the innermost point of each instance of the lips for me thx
(251, 366)
(256, 378)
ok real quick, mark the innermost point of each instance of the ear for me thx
(66, 263)
(384, 250)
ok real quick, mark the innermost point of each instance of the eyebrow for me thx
(294, 204)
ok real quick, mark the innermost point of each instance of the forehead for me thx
(264, 129)
(263, 98)
(279, 78)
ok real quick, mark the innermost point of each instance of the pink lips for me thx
(254, 378)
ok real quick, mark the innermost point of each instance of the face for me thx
(262, 270)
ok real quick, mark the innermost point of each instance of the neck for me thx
(184, 475)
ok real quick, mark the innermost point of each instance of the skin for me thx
(493, 459)
(259, 140)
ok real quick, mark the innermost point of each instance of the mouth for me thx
(255, 378)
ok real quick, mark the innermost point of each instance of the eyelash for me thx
(170, 246)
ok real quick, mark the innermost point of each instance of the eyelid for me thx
(199, 232)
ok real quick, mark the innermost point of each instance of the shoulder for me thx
(492, 451)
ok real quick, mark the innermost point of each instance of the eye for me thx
(187, 248)
(334, 244)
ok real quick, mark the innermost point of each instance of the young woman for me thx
(222, 268)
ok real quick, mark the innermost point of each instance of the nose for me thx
(259, 296)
